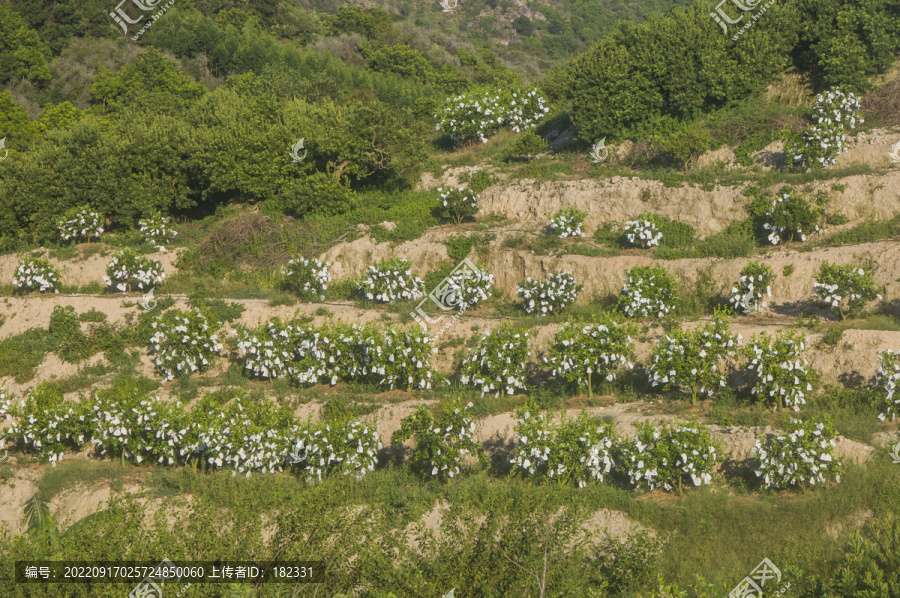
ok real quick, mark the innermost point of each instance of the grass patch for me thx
(20, 355)
(866, 232)
(68, 474)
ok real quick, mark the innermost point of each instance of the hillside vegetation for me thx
(573, 299)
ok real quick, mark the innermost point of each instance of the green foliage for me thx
(526, 145)
(871, 563)
(691, 359)
(23, 54)
(497, 363)
(602, 346)
(58, 116)
(802, 457)
(754, 285)
(459, 247)
(441, 444)
(573, 450)
(782, 375)
(65, 327)
(22, 353)
(319, 194)
(686, 144)
(153, 82)
(648, 291)
(845, 289)
(665, 457)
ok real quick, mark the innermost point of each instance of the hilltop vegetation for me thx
(660, 335)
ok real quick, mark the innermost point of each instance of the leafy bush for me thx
(802, 456)
(391, 280)
(138, 430)
(872, 559)
(396, 358)
(156, 229)
(128, 269)
(350, 448)
(527, 144)
(835, 112)
(65, 327)
(781, 374)
(886, 382)
(664, 457)
(480, 112)
(648, 291)
(580, 350)
(642, 233)
(441, 445)
(467, 287)
(755, 284)
(845, 289)
(47, 426)
(184, 342)
(458, 204)
(400, 358)
(578, 450)
(550, 296)
(791, 215)
(691, 359)
(685, 144)
(269, 351)
(35, 274)
(498, 362)
(308, 278)
(80, 223)
(568, 223)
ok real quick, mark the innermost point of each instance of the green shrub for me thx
(497, 364)
(686, 144)
(755, 284)
(526, 145)
(458, 247)
(441, 444)
(871, 564)
(691, 360)
(319, 194)
(802, 457)
(845, 289)
(573, 450)
(791, 216)
(72, 345)
(582, 349)
(648, 291)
